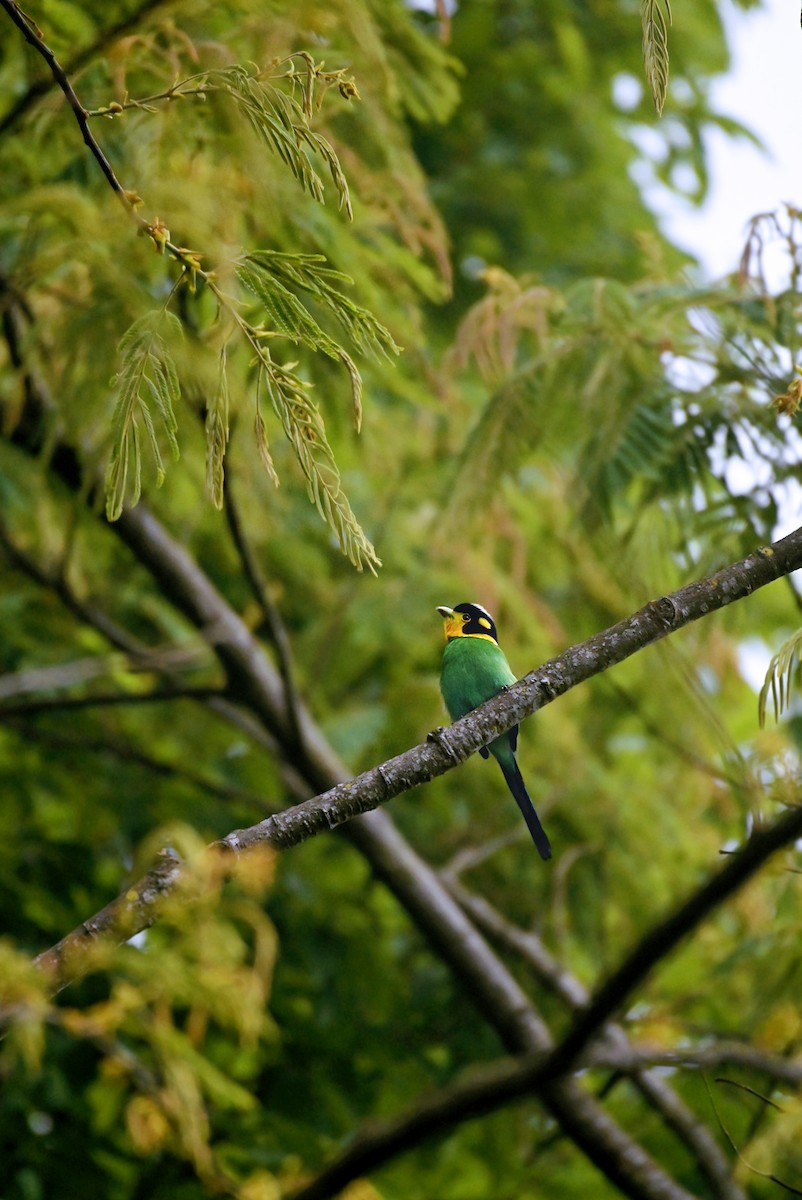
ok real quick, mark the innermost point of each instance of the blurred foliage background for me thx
(556, 440)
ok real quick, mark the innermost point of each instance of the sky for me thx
(762, 91)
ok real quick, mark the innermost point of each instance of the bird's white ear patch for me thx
(484, 621)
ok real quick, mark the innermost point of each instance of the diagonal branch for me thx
(506, 1082)
(40, 87)
(275, 626)
(256, 686)
(533, 1075)
(445, 749)
(655, 1089)
(666, 935)
(30, 32)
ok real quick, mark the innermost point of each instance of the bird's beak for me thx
(444, 612)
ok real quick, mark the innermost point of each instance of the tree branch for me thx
(255, 683)
(445, 749)
(58, 677)
(42, 86)
(505, 1082)
(32, 35)
(29, 708)
(275, 626)
(665, 936)
(693, 1134)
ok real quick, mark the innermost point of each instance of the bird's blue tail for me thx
(518, 788)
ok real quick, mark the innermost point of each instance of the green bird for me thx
(474, 669)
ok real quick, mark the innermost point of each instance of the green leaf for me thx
(308, 273)
(217, 431)
(303, 425)
(282, 124)
(778, 678)
(146, 372)
(274, 279)
(655, 48)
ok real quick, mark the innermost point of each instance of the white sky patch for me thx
(754, 657)
(688, 374)
(762, 92)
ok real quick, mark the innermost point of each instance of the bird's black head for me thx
(468, 620)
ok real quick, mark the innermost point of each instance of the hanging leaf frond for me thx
(777, 683)
(146, 376)
(307, 273)
(655, 47)
(217, 430)
(282, 124)
(275, 279)
(303, 425)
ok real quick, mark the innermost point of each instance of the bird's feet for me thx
(440, 737)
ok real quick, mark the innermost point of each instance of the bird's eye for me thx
(466, 616)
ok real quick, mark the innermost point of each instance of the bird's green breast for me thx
(474, 669)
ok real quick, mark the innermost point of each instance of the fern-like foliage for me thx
(777, 683)
(641, 395)
(655, 24)
(146, 383)
(275, 279)
(303, 425)
(282, 124)
(293, 293)
(217, 430)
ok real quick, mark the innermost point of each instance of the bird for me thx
(474, 669)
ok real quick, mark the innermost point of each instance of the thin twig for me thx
(40, 87)
(276, 628)
(743, 1087)
(230, 793)
(754, 1170)
(559, 980)
(187, 259)
(33, 36)
(29, 708)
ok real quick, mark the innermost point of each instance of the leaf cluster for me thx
(655, 24)
(672, 384)
(156, 1029)
(571, 451)
(147, 375)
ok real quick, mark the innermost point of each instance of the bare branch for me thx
(653, 1087)
(228, 792)
(275, 626)
(31, 33)
(665, 936)
(786, 1071)
(505, 1082)
(42, 86)
(29, 708)
(255, 684)
(447, 748)
(58, 677)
